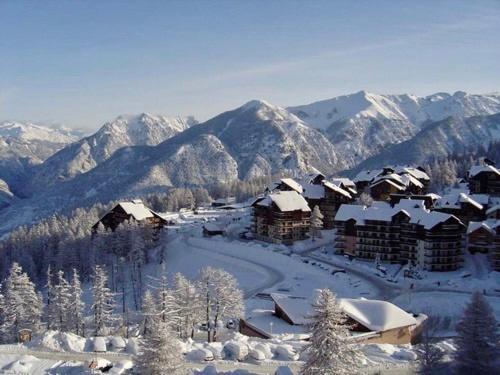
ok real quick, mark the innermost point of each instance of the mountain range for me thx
(133, 155)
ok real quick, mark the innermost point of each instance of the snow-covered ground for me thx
(261, 269)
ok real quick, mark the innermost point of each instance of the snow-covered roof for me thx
(475, 225)
(298, 309)
(312, 191)
(373, 314)
(286, 201)
(483, 199)
(350, 211)
(342, 180)
(337, 189)
(399, 187)
(493, 209)
(367, 176)
(376, 315)
(476, 169)
(408, 179)
(136, 209)
(292, 184)
(415, 172)
(433, 196)
(464, 198)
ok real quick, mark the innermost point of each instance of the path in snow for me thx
(275, 276)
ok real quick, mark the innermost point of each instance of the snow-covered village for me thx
(249, 187)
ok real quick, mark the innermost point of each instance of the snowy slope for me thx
(360, 125)
(439, 139)
(23, 145)
(82, 156)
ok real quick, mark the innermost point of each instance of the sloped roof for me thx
(475, 225)
(347, 182)
(376, 315)
(399, 187)
(313, 191)
(136, 209)
(350, 211)
(493, 209)
(415, 172)
(337, 189)
(367, 176)
(476, 169)
(292, 184)
(464, 198)
(285, 201)
(373, 314)
(407, 178)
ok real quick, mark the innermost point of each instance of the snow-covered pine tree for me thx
(477, 339)
(23, 306)
(188, 304)
(150, 316)
(103, 301)
(161, 353)
(60, 303)
(50, 313)
(328, 351)
(316, 222)
(76, 306)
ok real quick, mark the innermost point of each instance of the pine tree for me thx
(316, 222)
(23, 306)
(60, 303)
(477, 339)
(150, 316)
(76, 306)
(161, 353)
(328, 351)
(103, 301)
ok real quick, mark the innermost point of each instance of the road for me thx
(275, 276)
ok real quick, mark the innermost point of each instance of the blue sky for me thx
(81, 63)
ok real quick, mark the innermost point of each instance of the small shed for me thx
(24, 335)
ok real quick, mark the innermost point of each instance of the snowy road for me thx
(274, 275)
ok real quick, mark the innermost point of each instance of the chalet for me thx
(407, 232)
(346, 184)
(328, 197)
(462, 206)
(480, 237)
(134, 210)
(429, 199)
(288, 184)
(281, 217)
(382, 189)
(369, 321)
(484, 179)
(413, 180)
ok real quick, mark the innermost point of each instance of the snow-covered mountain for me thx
(87, 153)
(24, 145)
(361, 125)
(439, 139)
(32, 132)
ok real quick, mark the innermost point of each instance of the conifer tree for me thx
(477, 339)
(316, 222)
(22, 305)
(150, 314)
(188, 305)
(76, 305)
(328, 351)
(161, 353)
(103, 302)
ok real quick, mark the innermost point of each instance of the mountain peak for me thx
(256, 104)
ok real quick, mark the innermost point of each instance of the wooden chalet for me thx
(281, 217)
(484, 237)
(369, 321)
(484, 179)
(134, 210)
(462, 206)
(382, 189)
(328, 197)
